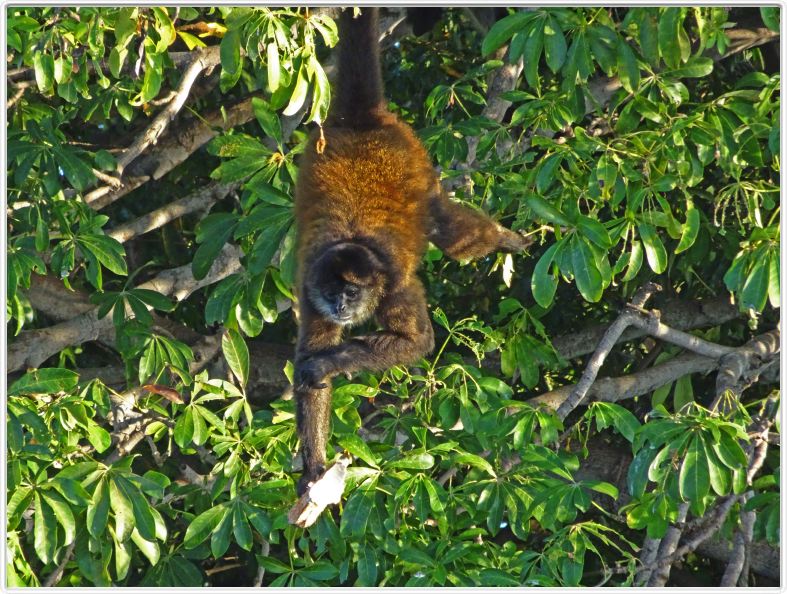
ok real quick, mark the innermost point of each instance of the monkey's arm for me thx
(407, 335)
(313, 403)
(466, 234)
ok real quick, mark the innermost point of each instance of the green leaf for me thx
(230, 51)
(77, 172)
(648, 37)
(770, 16)
(475, 461)
(534, 45)
(689, 231)
(754, 293)
(654, 248)
(543, 284)
(154, 299)
(237, 355)
(148, 548)
(299, 93)
(203, 525)
(122, 558)
(124, 513)
(366, 567)
(98, 509)
(696, 67)
(358, 448)
(184, 428)
(190, 40)
(594, 231)
(554, 44)
(503, 30)
(267, 118)
(266, 244)
(729, 452)
(107, 250)
(720, 475)
(669, 23)
(635, 262)
(45, 381)
(628, 69)
(774, 289)
(213, 231)
(220, 540)
(586, 275)
(414, 460)
(637, 478)
(241, 529)
(274, 68)
(63, 514)
(356, 514)
(44, 530)
(546, 172)
(694, 479)
(44, 67)
(546, 211)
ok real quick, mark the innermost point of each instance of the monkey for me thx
(367, 202)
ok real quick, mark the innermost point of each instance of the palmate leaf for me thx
(108, 251)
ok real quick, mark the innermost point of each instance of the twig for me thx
(55, 576)
(221, 568)
(107, 179)
(742, 542)
(202, 59)
(669, 543)
(265, 549)
(603, 349)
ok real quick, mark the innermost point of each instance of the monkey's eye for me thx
(351, 292)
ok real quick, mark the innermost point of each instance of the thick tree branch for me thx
(680, 314)
(35, 346)
(615, 389)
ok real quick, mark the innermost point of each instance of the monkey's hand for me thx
(313, 373)
(515, 241)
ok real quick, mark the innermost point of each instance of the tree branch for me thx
(199, 200)
(202, 59)
(603, 349)
(35, 346)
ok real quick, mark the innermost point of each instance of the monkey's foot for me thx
(325, 491)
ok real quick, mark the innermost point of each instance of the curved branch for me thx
(201, 60)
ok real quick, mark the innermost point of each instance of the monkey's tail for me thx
(359, 91)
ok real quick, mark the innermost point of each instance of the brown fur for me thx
(373, 185)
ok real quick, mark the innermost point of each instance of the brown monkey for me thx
(366, 206)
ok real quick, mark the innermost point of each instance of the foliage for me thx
(457, 480)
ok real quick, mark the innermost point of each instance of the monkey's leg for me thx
(465, 234)
(313, 403)
(407, 335)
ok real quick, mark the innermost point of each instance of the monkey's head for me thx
(345, 283)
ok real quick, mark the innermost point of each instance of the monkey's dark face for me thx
(345, 284)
